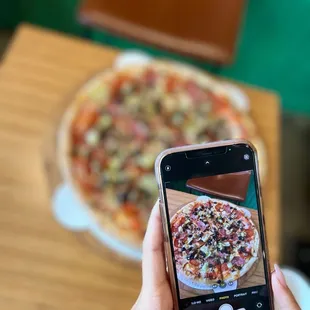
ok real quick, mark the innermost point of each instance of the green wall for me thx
(56, 14)
(273, 52)
(8, 13)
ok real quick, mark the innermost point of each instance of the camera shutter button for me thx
(226, 307)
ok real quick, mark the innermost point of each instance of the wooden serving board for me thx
(255, 276)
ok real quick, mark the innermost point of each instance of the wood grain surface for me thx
(255, 276)
(43, 266)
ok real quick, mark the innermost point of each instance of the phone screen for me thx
(216, 230)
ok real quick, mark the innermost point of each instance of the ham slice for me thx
(227, 209)
(238, 261)
(202, 225)
(222, 232)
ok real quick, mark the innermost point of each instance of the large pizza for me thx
(121, 119)
(214, 242)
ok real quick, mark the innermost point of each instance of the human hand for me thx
(283, 297)
(156, 293)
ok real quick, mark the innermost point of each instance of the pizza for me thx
(121, 119)
(214, 242)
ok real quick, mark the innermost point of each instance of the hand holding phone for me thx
(159, 293)
(156, 292)
(213, 224)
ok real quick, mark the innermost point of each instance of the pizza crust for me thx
(233, 276)
(248, 266)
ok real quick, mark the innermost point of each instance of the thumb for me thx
(284, 298)
(153, 263)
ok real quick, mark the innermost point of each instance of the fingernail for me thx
(280, 275)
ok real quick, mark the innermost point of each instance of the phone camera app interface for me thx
(217, 242)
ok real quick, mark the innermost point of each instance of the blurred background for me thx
(268, 47)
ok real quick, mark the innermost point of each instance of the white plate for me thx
(230, 286)
(73, 215)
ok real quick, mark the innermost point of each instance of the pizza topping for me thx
(199, 243)
(212, 261)
(238, 261)
(249, 233)
(124, 119)
(211, 275)
(92, 137)
(219, 219)
(210, 241)
(190, 256)
(217, 247)
(222, 233)
(227, 208)
(86, 118)
(196, 93)
(243, 249)
(194, 262)
(150, 77)
(202, 226)
(176, 243)
(205, 250)
(205, 237)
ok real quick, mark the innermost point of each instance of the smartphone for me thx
(215, 241)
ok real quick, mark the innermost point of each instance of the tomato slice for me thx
(82, 173)
(249, 233)
(224, 267)
(99, 154)
(149, 77)
(86, 117)
(194, 262)
(176, 243)
(171, 83)
(136, 224)
(197, 93)
(211, 275)
(130, 208)
(220, 104)
(117, 85)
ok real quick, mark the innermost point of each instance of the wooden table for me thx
(43, 266)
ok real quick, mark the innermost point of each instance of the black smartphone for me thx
(215, 241)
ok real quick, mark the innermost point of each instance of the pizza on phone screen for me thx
(214, 242)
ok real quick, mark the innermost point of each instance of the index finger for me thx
(284, 298)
